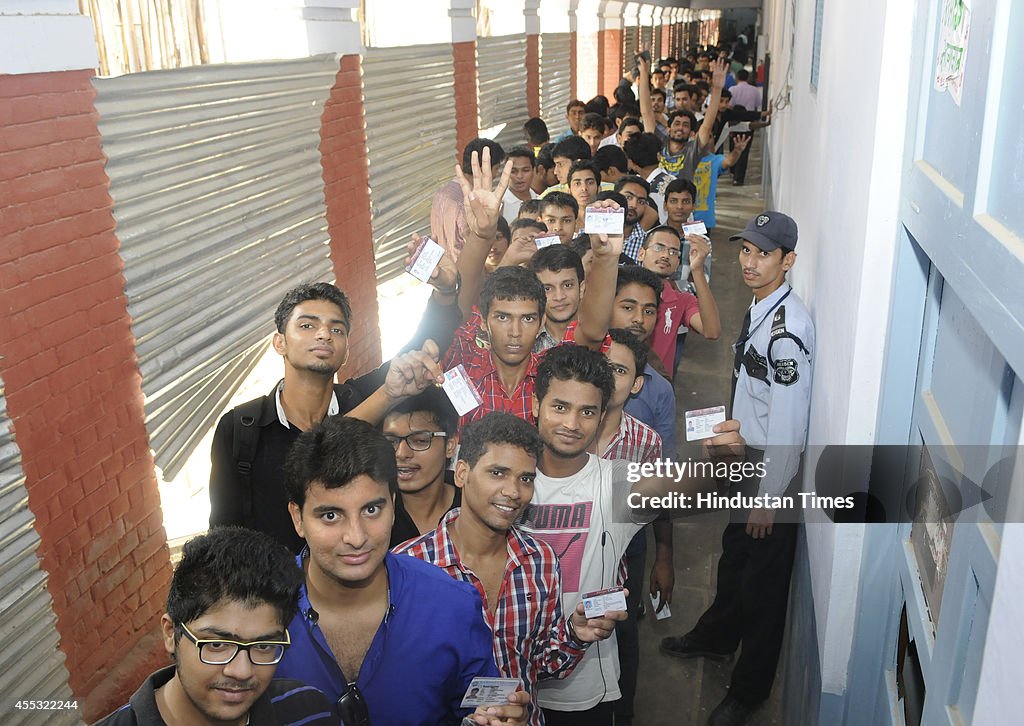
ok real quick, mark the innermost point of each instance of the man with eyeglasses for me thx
(231, 596)
(422, 429)
(661, 254)
(392, 640)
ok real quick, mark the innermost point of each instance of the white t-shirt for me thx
(511, 204)
(586, 519)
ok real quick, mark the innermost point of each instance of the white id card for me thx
(547, 241)
(596, 604)
(700, 422)
(427, 255)
(666, 612)
(695, 228)
(489, 692)
(461, 391)
(603, 220)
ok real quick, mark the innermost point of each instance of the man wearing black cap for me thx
(771, 399)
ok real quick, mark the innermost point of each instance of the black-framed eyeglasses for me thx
(351, 707)
(417, 440)
(221, 652)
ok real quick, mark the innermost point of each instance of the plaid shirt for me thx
(472, 349)
(531, 638)
(631, 247)
(635, 441)
(638, 443)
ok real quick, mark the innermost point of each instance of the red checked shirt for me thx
(531, 638)
(471, 348)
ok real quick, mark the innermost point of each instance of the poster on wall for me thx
(951, 56)
(931, 534)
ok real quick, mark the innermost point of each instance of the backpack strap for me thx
(244, 440)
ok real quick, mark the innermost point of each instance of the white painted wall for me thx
(836, 159)
(241, 31)
(41, 36)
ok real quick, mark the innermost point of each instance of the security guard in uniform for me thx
(771, 399)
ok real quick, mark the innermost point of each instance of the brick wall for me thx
(609, 60)
(533, 75)
(347, 195)
(666, 40)
(465, 94)
(74, 392)
(574, 78)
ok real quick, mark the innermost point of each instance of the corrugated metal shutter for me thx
(631, 44)
(218, 195)
(33, 665)
(410, 155)
(501, 81)
(555, 77)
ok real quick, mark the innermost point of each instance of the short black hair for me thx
(233, 564)
(503, 228)
(642, 149)
(680, 185)
(498, 428)
(614, 196)
(536, 131)
(742, 74)
(578, 166)
(336, 451)
(659, 92)
(580, 244)
(630, 121)
(478, 145)
(633, 179)
(594, 121)
(529, 207)
(610, 156)
(660, 228)
(528, 222)
(560, 199)
(522, 152)
(512, 283)
(312, 291)
(629, 274)
(637, 347)
(683, 112)
(434, 403)
(573, 104)
(556, 258)
(544, 156)
(598, 105)
(571, 362)
(573, 148)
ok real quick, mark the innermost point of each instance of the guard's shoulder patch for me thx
(779, 322)
(786, 372)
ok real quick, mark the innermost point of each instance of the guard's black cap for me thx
(769, 231)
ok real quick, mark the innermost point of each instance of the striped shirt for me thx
(531, 637)
(631, 246)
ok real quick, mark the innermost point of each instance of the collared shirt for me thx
(472, 349)
(510, 205)
(632, 244)
(635, 441)
(773, 391)
(332, 408)
(430, 645)
(655, 405)
(677, 309)
(531, 637)
(746, 95)
(285, 702)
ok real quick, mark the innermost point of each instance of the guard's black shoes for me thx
(732, 712)
(686, 646)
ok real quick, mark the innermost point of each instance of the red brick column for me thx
(533, 75)
(665, 40)
(67, 356)
(609, 60)
(347, 195)
(573, 61)
(465, 94)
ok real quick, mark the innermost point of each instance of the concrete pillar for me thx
(609, 47)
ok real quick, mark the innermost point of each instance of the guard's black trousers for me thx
(750, 606)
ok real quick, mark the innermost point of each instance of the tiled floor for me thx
(671, 691)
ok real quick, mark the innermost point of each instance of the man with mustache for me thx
(518, 577)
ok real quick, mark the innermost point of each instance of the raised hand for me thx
(412, 372)
(740, 142)
(719, 69)
(482, 203)
(444, 275)
(700, 248)
(606, 245)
